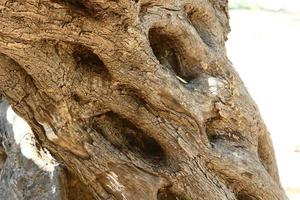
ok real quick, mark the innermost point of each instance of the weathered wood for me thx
(27, 170)
(137, 98)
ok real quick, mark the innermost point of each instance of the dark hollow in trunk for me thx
(136, 100)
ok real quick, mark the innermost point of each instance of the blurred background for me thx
(264, 46)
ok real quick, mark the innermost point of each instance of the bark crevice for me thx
(124, 135)
(137, 98)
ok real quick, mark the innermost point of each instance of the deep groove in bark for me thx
(224, 136)
(244, 196)
(124, 135)
(167, 194)
(2, 156)
(151, 132)
(134, 94)
(216, 134)
(167, 53)
(91, 62)
(78, 5)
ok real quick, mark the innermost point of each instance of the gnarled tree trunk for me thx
(137, 98)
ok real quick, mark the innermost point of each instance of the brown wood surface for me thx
(137, 97)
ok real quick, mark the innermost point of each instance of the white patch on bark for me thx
(53, 188)
(25, 138)
(115, 185)
(215, 85)
(181, 80)
(49, 132)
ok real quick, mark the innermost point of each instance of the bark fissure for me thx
(136, 98)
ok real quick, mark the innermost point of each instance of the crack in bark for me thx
(124, 124)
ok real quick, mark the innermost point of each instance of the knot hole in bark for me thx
(125, 136)
(169, 53)
(91, 63)
(78, 6)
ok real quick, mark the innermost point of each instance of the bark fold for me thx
(136, 98)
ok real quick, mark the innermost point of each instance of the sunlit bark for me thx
(137, 98)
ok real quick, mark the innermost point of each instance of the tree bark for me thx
(136, 98)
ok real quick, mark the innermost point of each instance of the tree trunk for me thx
(136, 98)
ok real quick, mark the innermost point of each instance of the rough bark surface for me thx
(136, 98)
(20, 177)
(29, 171)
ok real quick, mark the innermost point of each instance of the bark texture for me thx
(137, 98)
(29, 171)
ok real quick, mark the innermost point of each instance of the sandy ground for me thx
(264, 47)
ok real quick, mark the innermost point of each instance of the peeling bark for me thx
(136, 98)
